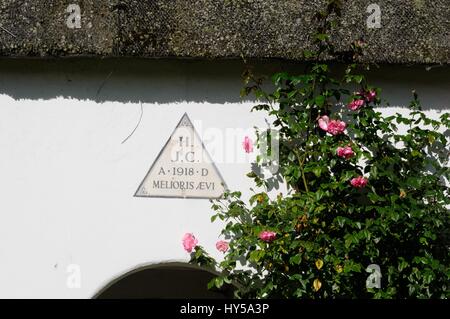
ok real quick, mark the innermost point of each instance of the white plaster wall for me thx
(67, 181)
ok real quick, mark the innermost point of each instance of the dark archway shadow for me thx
(164, 281)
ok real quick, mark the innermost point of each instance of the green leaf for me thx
(341, 221)
(415, 153)
(402, 265)
(320, 100)
(256, 255)
(219, 282)
(296, 259)
(212, 283)
(317, 171)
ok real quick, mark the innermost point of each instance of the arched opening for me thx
(165, 281)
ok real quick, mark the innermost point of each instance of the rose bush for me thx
(360, 193)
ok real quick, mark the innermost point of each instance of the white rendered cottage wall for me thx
(67, 181)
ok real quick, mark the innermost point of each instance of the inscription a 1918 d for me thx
(183, 168)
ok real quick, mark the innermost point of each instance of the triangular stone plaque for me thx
(183, 168)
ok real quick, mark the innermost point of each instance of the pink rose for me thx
(336, 127)
(359, 182)
(370, 96)
(355, 104)
(189, 242)
(323, 122)
(222, 246)
(345, 152)
(333, 127)
(267, 236)
(248, 145)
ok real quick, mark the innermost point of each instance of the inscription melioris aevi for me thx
(183, 168)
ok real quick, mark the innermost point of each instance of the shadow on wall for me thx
(169, 280)
(170, 81)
